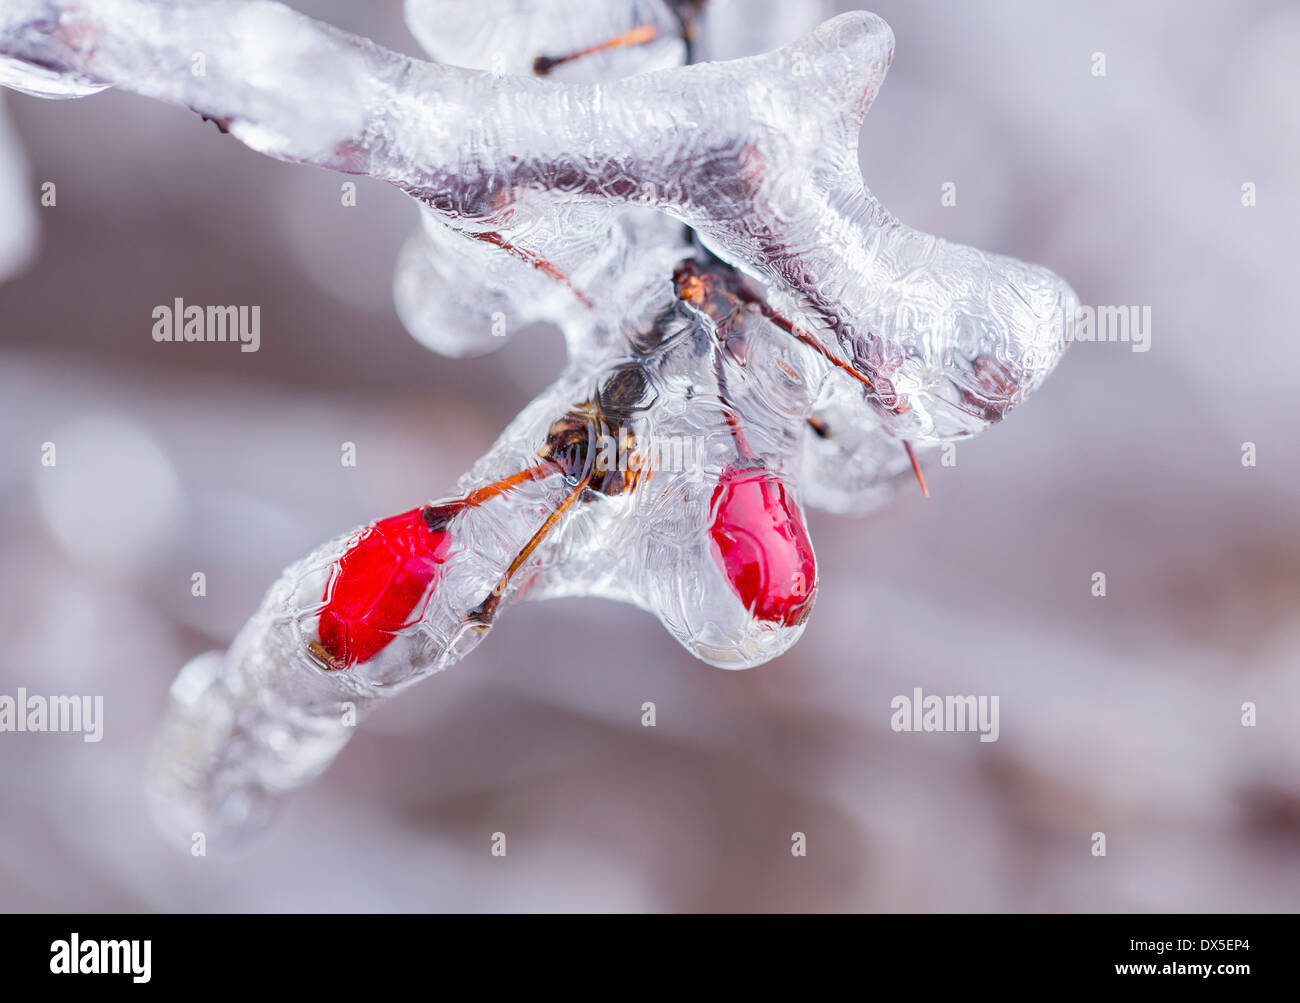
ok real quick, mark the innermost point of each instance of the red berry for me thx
(761, 545)
(377, 585)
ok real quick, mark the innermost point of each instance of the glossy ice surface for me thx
(781, 348)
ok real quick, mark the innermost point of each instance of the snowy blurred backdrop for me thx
(1119, 714)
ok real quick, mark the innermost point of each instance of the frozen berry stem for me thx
(792, 341)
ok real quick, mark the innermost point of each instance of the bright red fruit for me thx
(378, 584)
(761, 545)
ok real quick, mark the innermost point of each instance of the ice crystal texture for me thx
(748, 328)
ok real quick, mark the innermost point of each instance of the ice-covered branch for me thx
(758, 155)
(665, 467)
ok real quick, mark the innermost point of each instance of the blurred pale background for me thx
(1119, 715)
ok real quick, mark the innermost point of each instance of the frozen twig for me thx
(757, 155)
(665, 466)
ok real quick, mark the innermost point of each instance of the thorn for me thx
(916, 468)
(639, 35)
(481, 616)
(532, 258)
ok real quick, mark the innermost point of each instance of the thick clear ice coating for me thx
(785, 342)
